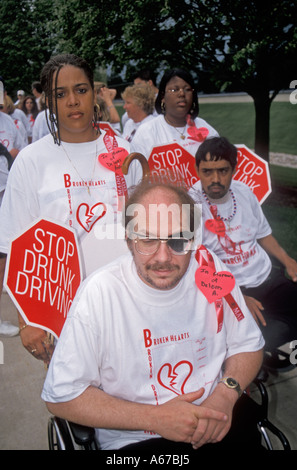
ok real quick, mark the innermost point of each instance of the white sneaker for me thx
(7, 329)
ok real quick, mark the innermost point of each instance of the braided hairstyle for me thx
(49, 86)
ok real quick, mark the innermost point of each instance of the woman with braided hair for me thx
(64, 177)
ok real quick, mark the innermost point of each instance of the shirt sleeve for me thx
(75, 364)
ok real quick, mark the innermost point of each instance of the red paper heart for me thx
(113, 160)
(214, 285)
(87, 217)
(169, 379)
(216, 226)
(198, 134)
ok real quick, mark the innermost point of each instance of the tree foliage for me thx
(227, 45)
(26, 42)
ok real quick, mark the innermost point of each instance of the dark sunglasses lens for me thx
(179, 245)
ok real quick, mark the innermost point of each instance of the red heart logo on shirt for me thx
(216, 226)
(87, 217)
(198, 134)
(175, 378)
(113, 160)
(214, 285)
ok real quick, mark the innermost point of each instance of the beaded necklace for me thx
(214, 210)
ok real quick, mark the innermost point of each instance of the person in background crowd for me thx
(20, 97)
(37, 93)
(105, 99)
(143, 77)
(41, 128)
(139, 105)
(30, 109)
(178, 122)
(19, 118)
(8, 151)
(236, 230)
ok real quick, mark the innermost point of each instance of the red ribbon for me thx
(113, 161)
(204, 258)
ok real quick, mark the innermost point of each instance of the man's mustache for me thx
(216, 185)
(162, 266)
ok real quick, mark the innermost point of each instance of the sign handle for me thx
(143, 161)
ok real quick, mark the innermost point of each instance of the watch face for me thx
(231, 382)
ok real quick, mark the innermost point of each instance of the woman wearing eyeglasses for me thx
(178, 123)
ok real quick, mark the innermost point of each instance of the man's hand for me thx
(255, 307)
(214, 430)
(178, 419)
(291, 268)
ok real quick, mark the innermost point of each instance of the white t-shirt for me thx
(159, 132)
(11, 138)
(130, 340)
(40, 128)
(43, 183)
(176, 165)
(239, 250)
(31, 122)
(21, 116)
(131, 127)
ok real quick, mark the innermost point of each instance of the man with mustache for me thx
(236, 230)
(141, 333)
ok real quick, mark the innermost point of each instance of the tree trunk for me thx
(262, 104)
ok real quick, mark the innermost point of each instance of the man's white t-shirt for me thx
(44, 183)
(239, 249)
(145, 345)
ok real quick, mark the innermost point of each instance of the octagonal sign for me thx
(172, 163)
(254, 172)
(43, 273)
(105, 126)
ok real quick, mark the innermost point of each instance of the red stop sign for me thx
(254, 172)
(43, 274)
(172, 163)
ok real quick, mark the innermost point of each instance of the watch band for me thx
(231, 383)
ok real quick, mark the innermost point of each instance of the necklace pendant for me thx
(182, 136)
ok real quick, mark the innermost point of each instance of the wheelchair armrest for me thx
(82, 434)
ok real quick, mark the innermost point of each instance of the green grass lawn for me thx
(283, 221)
(236, 121)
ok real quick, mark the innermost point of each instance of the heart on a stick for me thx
(113, 160)
(198, 134)
(216, 226)
(214, 285)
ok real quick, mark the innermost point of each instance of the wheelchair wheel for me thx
(64, 435)
(58, 435)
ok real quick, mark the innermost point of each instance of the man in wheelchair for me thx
(164, 325)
